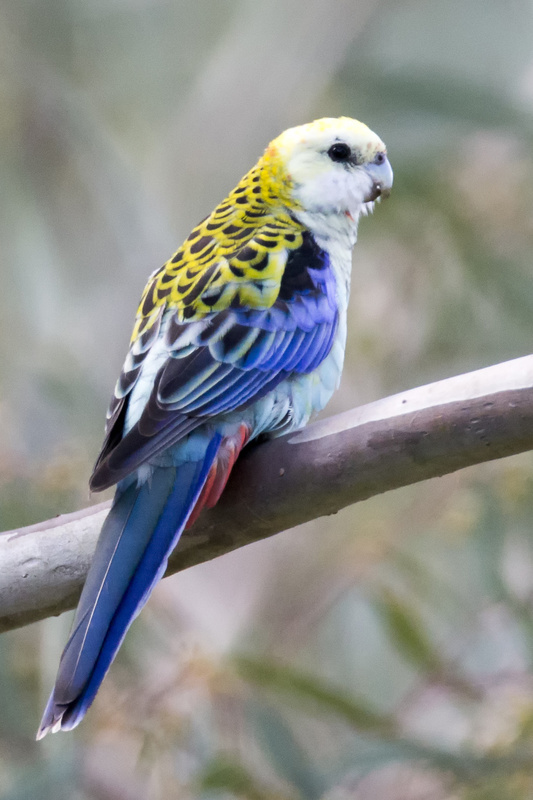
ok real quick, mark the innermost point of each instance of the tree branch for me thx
(403, 439)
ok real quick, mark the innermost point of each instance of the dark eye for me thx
(339, 151)
(380, 158)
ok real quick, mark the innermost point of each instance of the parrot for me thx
(240, 334)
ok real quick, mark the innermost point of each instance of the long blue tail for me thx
(138, 535)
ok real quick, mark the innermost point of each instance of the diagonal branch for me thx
(403, 439)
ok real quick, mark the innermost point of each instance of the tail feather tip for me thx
(54, 720)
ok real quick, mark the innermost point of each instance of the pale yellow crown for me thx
(299, 155)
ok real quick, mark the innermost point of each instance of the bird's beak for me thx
(381, 176)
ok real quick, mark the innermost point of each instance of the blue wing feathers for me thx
(213, 383)
(259, 351)
(227, 384)
(275, 355)
(308, 359)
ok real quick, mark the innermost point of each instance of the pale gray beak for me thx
(382, 178)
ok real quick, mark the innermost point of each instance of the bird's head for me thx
(327, 167)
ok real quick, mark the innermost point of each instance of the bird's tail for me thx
(138, 535)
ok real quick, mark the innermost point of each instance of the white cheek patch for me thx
(335, 191)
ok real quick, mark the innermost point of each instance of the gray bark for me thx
(403, 439)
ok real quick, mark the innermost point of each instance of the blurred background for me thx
(385, 652)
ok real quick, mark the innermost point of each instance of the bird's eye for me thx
(339, 151)
(380, 158)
